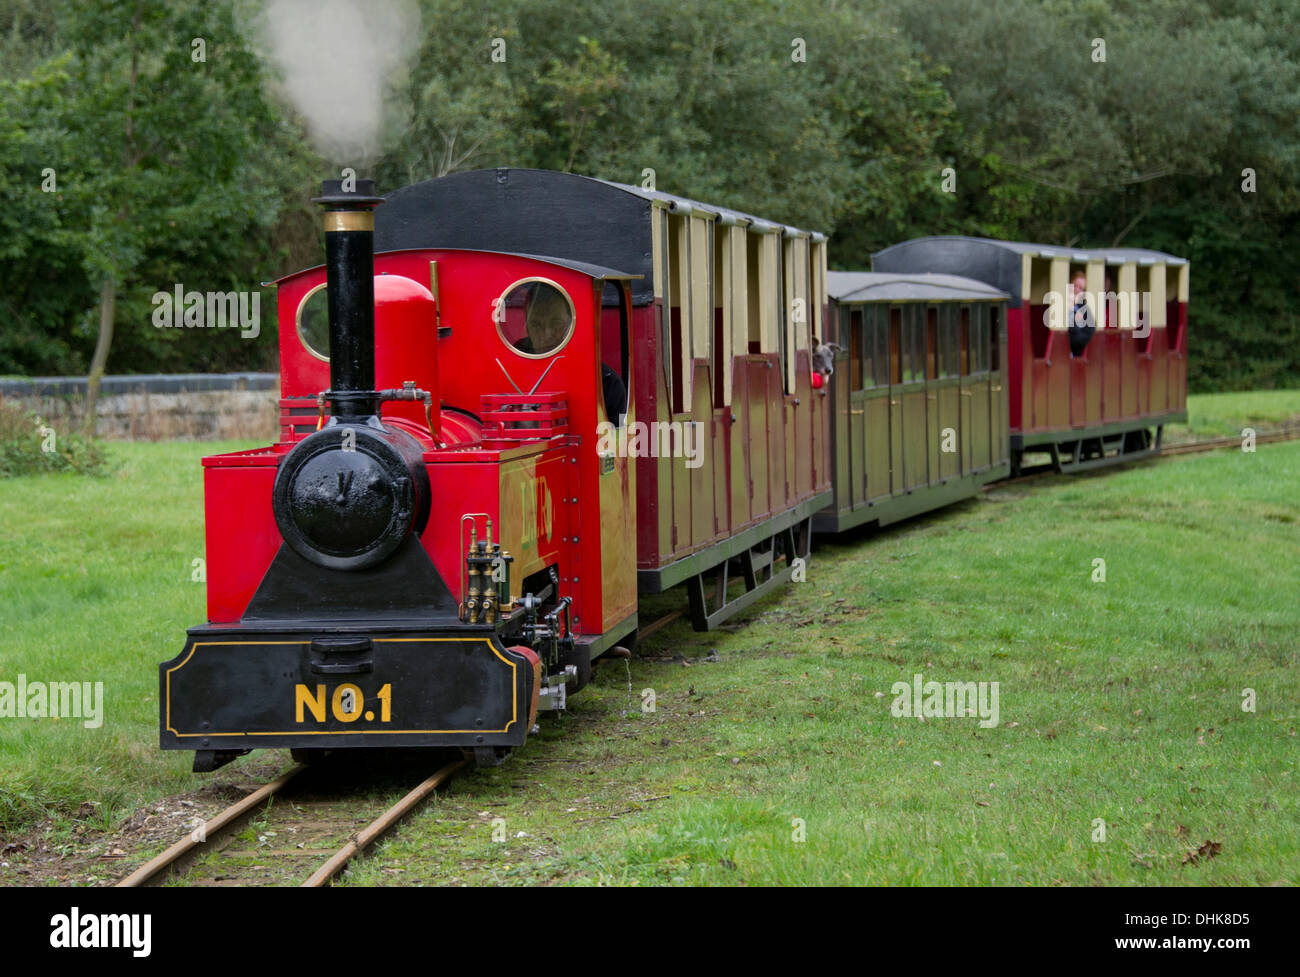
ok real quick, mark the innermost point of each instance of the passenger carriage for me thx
(1111, 402)
(723, 310)
(918, 402)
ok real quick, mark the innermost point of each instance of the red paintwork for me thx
(1118, 378)
(543, 490)
(535, 664)
(406, 344)
(242, 538)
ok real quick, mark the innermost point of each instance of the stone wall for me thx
(197, 407)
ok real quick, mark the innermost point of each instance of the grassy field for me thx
(95, 586)
(1224, 415)
(772, 755)
(1119, 701)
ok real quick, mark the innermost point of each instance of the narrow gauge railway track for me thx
(1166, 451)
(207, 837)
(1233, 441)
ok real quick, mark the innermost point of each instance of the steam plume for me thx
(336, 58)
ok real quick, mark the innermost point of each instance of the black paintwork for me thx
(405, 587)
(239, 688)
(983, 260)
(350, 262)
(346, 496)
(528, 212)
(350, 291)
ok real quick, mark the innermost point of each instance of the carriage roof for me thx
(543, 212)
(1111, 256)
(870, 286)
(1002, 263)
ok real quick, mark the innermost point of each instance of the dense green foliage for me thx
(841, 116)
(127, 161)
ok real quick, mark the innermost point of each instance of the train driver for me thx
(547, 319)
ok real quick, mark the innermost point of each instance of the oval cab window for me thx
(314, 323)
(535, 317)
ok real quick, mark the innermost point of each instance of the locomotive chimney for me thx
(350, 269)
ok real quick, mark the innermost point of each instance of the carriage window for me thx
(754, 298)
(918, 342)
(931, 343)
(878, 335)
(535, 317)
(965, 340)
(786, 283)
(807, 325)
(702, 284)
(721, 288)
(913, 349)
(895, 346)
(1038, 331)
(867, 341)
(679, 311)
(859, 357)
(314, 323)
(738, 293)
(994, 335)
(978, 338)
(817, 289)
(950, 352)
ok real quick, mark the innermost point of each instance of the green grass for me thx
(1224, 415)
(1118, 700)
(95, 585)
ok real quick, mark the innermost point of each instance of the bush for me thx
(31, 446)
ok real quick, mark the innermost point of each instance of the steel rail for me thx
(656, 625)
(367, 836)
(1232, 441)
(1166, 450)
(210, 828)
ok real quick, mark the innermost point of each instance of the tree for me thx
(168, 115)
(172, 167)
(1141, 142)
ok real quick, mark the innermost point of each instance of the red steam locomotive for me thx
(513, 400)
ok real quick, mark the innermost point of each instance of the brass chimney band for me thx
(349, 220)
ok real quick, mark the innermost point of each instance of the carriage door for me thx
(617, 472)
